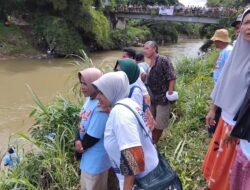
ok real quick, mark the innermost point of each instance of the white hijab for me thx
(233, 83)
(114, 86)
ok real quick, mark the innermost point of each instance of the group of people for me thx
(179, 10)
(227, 163)
(126, 111)
(123, 117)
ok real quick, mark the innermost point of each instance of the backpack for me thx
(144, 104)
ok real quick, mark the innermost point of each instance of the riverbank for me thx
(50, 165)
(14, 42)
(24, 42)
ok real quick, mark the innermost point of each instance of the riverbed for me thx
(50, 77)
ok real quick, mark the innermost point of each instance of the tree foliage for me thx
(227, 3)
(149, 2)
(70, 22)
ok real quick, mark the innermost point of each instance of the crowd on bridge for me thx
(177, 10)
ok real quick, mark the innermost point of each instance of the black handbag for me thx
(163, 177)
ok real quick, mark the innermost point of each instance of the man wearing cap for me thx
(221, 41)
(236, 24)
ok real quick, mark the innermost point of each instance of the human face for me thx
(220, 45)
(237, 29)
(87, 90)
(125, 55)
(103, 101)
(245, 27)
(149, 51)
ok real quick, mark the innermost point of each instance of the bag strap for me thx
(132, 90)
(137, 117)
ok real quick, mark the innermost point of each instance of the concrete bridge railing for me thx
(170, 18)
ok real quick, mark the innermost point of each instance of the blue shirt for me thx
(95, 159)
(10, 160)
(224, 55)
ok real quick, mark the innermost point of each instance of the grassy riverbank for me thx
(13, 40)
(49, 163)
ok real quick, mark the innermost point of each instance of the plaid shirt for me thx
(158, 79)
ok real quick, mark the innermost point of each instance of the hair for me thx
(131, 52)
(139, 56)
(11, 151)
(152, 44)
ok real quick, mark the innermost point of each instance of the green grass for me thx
(14, 41)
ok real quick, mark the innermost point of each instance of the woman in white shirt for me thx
(130, 149)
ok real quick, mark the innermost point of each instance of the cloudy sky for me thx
(193, 2)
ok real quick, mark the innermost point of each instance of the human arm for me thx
(132, 163)
(171, 87)
(170, 74)
(127, 133)
(211, 115)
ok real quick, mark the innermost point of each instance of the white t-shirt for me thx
(142, 86)
(137, 95)
(122, 132)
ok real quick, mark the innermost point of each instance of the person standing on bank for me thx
(221, 41)
(236, 24)
(161, 82)
(220, 162)
(126, 138)
(240, 176)
(94, 162)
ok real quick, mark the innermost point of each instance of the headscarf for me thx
(130, 67)
(90, 75)
(232, 85)
(114, 86)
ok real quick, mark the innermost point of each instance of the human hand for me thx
(78, 146)
(151, 123)
(229, 140)
(210, 118)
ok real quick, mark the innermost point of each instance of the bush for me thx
(50, 163)
(129, 36)
(13, 40)
(56, 34)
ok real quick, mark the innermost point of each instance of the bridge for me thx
(204, 15)
(169, 18)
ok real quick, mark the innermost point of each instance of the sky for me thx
(193, 2)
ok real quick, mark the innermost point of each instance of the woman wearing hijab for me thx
(229, 94)
(240, 176)
(133, 73)
(130, 150)
(137, 87)
(94, 162)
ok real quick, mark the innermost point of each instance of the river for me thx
(51, 77)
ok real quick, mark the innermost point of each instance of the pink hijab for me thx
(90, 75)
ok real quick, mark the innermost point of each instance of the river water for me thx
(48, 78)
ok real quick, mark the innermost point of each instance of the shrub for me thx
(56, 34)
